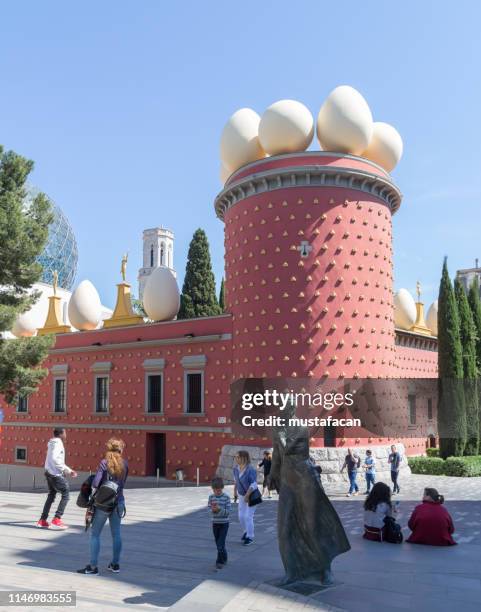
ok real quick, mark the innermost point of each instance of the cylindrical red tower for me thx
(308, 258)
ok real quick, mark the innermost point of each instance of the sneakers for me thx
(348, 495)
(114, 567)
(248, 541)
(43, 524)
(244, 536)
(356, 493)
(88, 569)
(219, 565)
(57, 523)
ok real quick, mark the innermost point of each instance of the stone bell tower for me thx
(158, 250)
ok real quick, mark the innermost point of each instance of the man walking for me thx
(56, 471)
(395, 461)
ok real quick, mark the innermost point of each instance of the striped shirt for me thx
(223, 503)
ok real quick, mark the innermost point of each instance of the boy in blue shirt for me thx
(219, 509)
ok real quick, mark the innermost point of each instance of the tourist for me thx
(266, 463)
(245, 477)
(377, 507)
(219, 507)
(108, 503)
(56, 471)
(352, 462)
(394, 461)
(370, 470)
(430, 522)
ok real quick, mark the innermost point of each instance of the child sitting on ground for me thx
(219, 509)
(430, 522)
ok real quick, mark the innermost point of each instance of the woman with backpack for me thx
(108, 503)
(379, 516)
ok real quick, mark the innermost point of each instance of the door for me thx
(155, 454)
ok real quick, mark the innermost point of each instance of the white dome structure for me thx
(286, 126)
(84, 307)
(404, 309)
(26, 325)
(386, 146)
(344, 123)
(432, 318)
(239, 142)
(161, 295)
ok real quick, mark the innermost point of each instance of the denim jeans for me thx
(352, 481)
(99, 520)
(56, 484)
(394, 477)
(246, 517)
(370, 480)
(220, 533)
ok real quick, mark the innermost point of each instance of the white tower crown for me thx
(158, 250)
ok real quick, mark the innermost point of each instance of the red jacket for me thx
(431, 524)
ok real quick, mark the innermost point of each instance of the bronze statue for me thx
(123, 266)
(310, 532)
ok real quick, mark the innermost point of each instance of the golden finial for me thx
(123, 266)
(55, 281)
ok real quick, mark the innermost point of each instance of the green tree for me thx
(222, 296)
(23, 234)
(451, 409)
(198, 297)
(467, 332)
(138, 307)
(475, 305)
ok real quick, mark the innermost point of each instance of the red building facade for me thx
(309, 294)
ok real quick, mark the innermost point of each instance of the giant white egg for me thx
(224, 174)
(432, 318)
(344, 122)
(404, 309)
(286, 126)
(239, 142)
(25, 325)
(161, 295)
(386, 146)
(84, 307)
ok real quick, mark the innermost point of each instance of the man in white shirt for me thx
(56, 471)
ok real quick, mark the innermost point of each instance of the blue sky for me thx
(121, 105)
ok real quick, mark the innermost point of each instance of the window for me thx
(22, 403)
(162, 254)
(21, 454)
(430, 409)
(194, 392)
(102, 394)
(412, 409)
(59, 401)
(152, 256)
(154, 393)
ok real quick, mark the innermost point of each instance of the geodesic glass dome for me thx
(60, 252)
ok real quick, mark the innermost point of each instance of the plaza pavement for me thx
(169, 552)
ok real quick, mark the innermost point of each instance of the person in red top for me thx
(430, 522)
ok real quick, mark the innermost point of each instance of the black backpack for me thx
(106, 496)
(392, 531)
(85, 493)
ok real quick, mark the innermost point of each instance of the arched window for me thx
(151, 255)
(162, 254)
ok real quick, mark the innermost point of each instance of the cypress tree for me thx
(451, 409)
(222, 296)
(467, 331)
(23, 234)
(198, 297)
(475, 305)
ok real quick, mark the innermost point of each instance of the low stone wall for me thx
(330, 460)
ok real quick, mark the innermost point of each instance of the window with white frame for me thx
(22, 403)
(154, 385)
(194, 366)
(60, 395)
(21, 454)
(101, 370)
